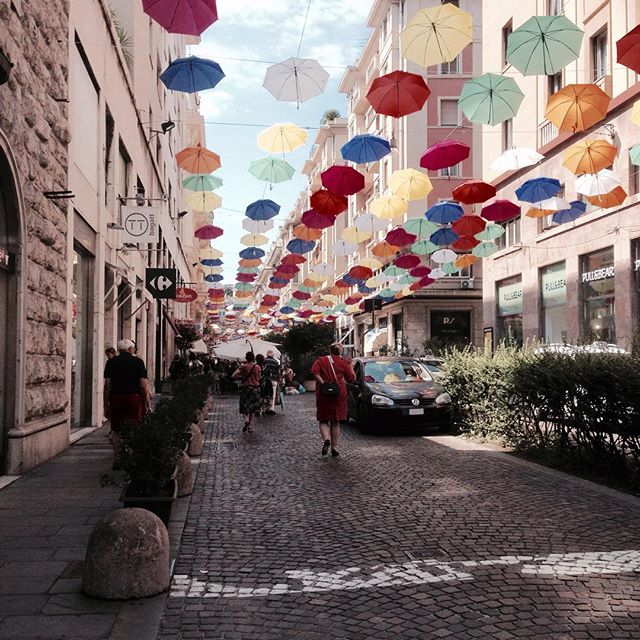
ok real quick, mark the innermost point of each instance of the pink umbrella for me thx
(315, 220)
(398, 237)
(344, 181)
(190, 17)
(444, 154)
(208, 232)
(246, 277)
(407, 261)
(301, 295)
(286, 267)
(420, 272)
(304, 314)
(500, 210)
(421, 284)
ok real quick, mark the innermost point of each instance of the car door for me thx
(353, 391)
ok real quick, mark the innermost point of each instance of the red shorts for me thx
(125, 408)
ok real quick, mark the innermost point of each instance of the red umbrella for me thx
(246, 277)
(360, 273)
(287, 268)
(277, 285)
(315, 220)
(190, 17)
(421, 284)
(293, 258)
(331, 204)
(398, 93)
(269, 299)
(301, 295)
(465, 243)
(353, 299)
(398, 237)
(305, 314)
(469, 225)
(444, 154)
(628, 49)
(208, 232)
(341, 284)
(407, 261)
(500, 210)
(473, 191)
(216, 293)
(420, 272)
(344, 181)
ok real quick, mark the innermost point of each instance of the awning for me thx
(199, 346)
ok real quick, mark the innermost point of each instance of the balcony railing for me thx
(547, 132)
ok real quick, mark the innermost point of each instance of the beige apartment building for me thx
(578, 281)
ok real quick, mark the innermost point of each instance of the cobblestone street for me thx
(399, 537)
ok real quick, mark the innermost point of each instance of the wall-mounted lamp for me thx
(181, 214)
(5, 67)
(115, 225)
(165, 128)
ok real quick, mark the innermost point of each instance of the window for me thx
(634, 178)
(511, 234)
(598, 296)
(451, 172)
(123, 172)
(554, 83)
(510, 307)
(449, 112)
(506, 32)
(451, 68)
(451, 328)
(507, 134)
(555, 7)
(397, 333)
(553, 293)
(599, 55)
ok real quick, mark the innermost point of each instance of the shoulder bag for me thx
(330, 388)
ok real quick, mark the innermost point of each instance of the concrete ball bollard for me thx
(185, 475)
(196, 443)
(127, 556)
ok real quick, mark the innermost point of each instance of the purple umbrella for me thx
(190, 17)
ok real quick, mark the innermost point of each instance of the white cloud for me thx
(214, 103)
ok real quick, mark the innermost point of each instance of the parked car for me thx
(397, 393)
(433, 365)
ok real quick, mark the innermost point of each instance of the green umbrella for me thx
(490, 99)
(248, 269)
(294, 302)
(304, 288)
(420, 227)
(387, 293)
(634, 154)
(339, 308)
(484, 249)
(424, 247)
(244, 286)
(406, 279)
(201, 182)
(491, 232)
(543, 45)
(450, 268)
(271, 170)
(394, 271)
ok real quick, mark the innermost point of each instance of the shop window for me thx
(449, 112)
(599, 55)
(450, 328)
(553, 294)
(597, 276)
(510, 304)
(634, 178)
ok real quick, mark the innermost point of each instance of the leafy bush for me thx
(188, 335)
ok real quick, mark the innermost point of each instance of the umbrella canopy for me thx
(436, 35)
(198, 160)
(203, 201)
(398, 94)
(372, 263)
(236, 349)
(208, 232)
(444, 154)
(444, 236)
(361, 273)
(315, 220)
(635, 112)
(473, 192)
(202, 182)
(407, 261)
(500, 210)
(424, 247)
(329, 203)
(514, 159)
(399, 237)
(469, 225)
(271, 170)
(189, 17)
(420, 227)
(484, 249)
(420, 272)
(384, 250)
(538, 189)
(300, 246)
(211, 253)
(192, 74)
(262, 210)
(306, 233)
(344, 248)
(444, 212)
(389, 207)
(444, 255)
(543, 45)
(577, 107)
(365, 148)
(282, 137)
(634, 154)
(491, 232)
(252, 253)
(614, 198)
(257, 226)
(293, 259)
(596, 184)
(576, 209)
(254, 240)
(214, 278)
(553, 204)
(465, 243)
(342, 180)
(353, 234)
(241, 277)
(410, 184)
(324, 270)
(628, 49)
(211, 262)
(465, 261)
(589, 156)
(246, 262)
(295, 80)
(490, 99)
(370, 223)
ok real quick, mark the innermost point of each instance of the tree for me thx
(329, 115)
(304, 343)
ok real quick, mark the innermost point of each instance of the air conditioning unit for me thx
(467, 283)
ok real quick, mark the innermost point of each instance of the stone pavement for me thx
(399, 537)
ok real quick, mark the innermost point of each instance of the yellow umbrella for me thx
(282, 138)
(373, 282)
(353, 308)
(253, 239)
(211, 254)
(389, 207)
(371, 263)
(203, 201)
(410, 184)
(330, 296)
(353, 234)
(635, 113)
(316, 277)
(436, 35)
(215, 269)
(589, 156)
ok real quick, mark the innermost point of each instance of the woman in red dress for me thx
(332, 408)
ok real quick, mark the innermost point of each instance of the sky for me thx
(269, 31)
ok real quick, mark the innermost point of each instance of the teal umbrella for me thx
(244, 286)
(450, 268)
(420, 227)
(271, 170)
(394, 271)
(543, 45)
(490, 99)
(484, 249)
(424, 247)
(634, 154)
(201, 182)
(306, 289)
(490, 232)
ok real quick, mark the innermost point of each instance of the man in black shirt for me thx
(271, 371)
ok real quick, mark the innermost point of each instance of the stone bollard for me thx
(127, 556)
(196, 443)
(185, 475)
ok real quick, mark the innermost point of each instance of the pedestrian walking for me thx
(332, 373)
(271, 376)
(127, 396)
(250, 398)
(110, 352)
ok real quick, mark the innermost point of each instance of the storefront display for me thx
(510, 311)
(597, 275)
(553, 292)
(451, 328)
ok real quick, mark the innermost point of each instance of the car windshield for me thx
(433, 367)
(395, 371)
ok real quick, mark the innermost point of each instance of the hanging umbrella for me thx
(468, 225)
(212, 253)
(500, 210)
(289, 267)
(257, 226)
(372, 263)
(293, 259)
(188, 17)
(537, 189)
(262, 210)
(384, 250)
(577, 107)
(628, 49)
(423, 283)
(398, 237)
(243, 286)
(306, 233)
(553, 204)
(328, 203)
(198, 160)
(241, 277)
(203, 201)
(389, 207)
(491, 232)
(410, 184)
(361, 273)
(295, 80)
(254, 240)
(208, 232)
(315, 220)
(252, 253)
(490, 99)
(214, 277)
(324, 270)
(211, 262)
(614, 198)
(407, 261)
(473, 192)
(444, 236)
(201, 182)
(365, 148)
(282, 137)
(420, 227)
(344, 248)
(353, 234)
(569, 215)
(514, 159)
(370, 223)
(444, 255)
(424, 247)
(589, 156)
(436, 35)
(192, 74)
(596, 184)
(300, 246)
(466, 261)
(484, 249)
(393, 272)
(635, 112)
(634, 154)
(245, 262)
(398, 94)
(444, 212)
(464, 243)
(272, 170)
(543, 45)
(313, 279)
(420, 272)
(343, 180)
(444, 154)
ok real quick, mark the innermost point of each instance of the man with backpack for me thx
(271, 371)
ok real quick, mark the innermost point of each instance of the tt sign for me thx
(140, 225)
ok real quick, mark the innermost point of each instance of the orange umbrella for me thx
(384, 250)
(611, 199)
(577, 107)
(198, 160)
(306, 233)
(589, 156)
(465, 261)
(246, 262)
(534, 212)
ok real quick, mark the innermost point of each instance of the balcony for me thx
(547, 131)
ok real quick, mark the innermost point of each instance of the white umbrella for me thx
(371, 223)
(295, 79)
(236, 349)
(344, 248)
(513, 159)
(443, 255)
(437, 273)
(199, 346)
(323, 270)
(552, 204)
(257, 226)
(597, 184)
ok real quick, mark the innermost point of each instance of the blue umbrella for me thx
(277, 280)
(287, 309)
(444, 236)
(538, 189)
(569, 215)
(211, 262)
(252, 253)
(192, 74)
(365, 148)
(444, 212)
(350, 279)
(262, 210)
(300, 246)
(214, 277)
(362, 288)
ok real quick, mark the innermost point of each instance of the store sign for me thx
(7, 261)
(554, 286)
(599, 274)
(184, 294)
(140, 225)
(451, 326)
(161, 283)
(510, 299)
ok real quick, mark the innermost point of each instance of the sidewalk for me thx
(46, 517)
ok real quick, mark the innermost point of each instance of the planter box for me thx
(309, 385)
(160, 505)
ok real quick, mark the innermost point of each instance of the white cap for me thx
(125, 345)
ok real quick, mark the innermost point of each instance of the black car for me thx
(396, 393)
